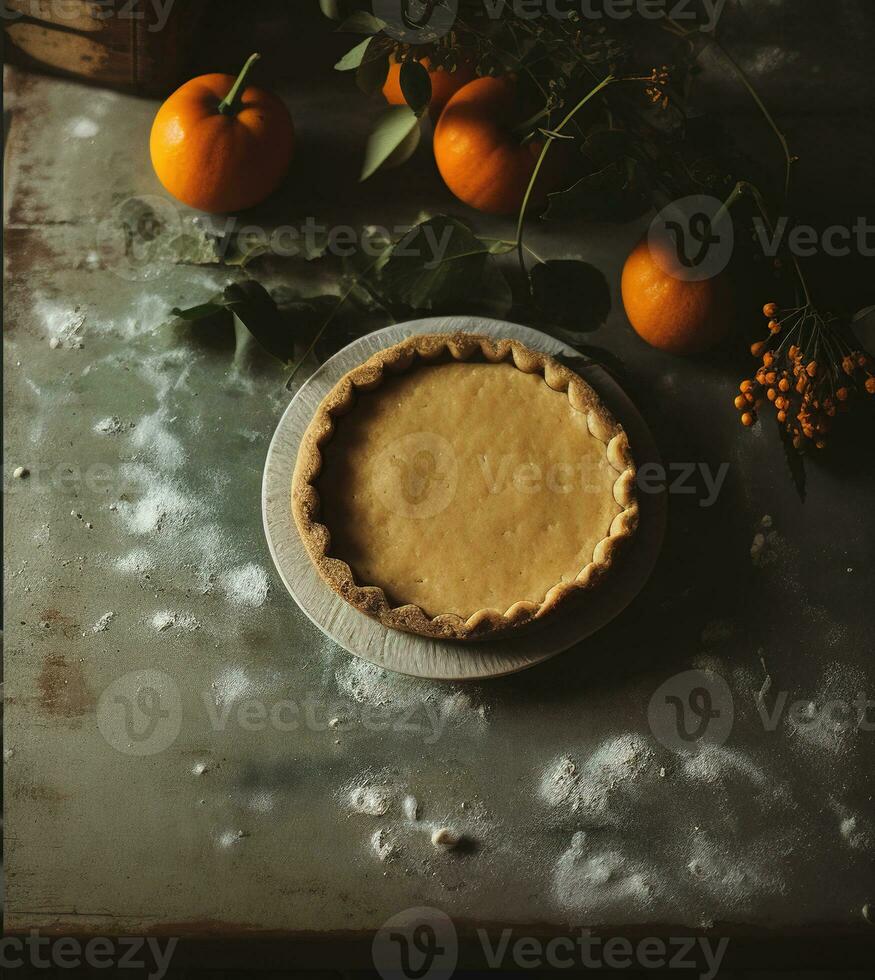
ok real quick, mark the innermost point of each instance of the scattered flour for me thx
(102, 624)
(732, 877)
(135, 562)
(246, 585)
(59, 322)
(382, 795)
(231, 685)
(82, 128)
(368, 684)
(261, 801)
(155, 440)
(857, 838)
(658, 833)
(369, 799)
(166, 620)
(728, 769)
(383, 845)
(615, 766)
(112, 426)
(148, 312)
(162, 504)
(589, 879)
(831, 720)
(228, 838)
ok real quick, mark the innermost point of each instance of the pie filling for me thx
(464, 486)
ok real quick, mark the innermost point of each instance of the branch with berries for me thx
(809, 373)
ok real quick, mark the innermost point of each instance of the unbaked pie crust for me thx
(459, 487)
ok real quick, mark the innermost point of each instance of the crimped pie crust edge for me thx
(484, 623)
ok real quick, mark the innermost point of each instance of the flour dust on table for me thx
(414, 832)
(245, 585)
(102, 624)
(825, 727)
(718, 827)
(165, 620)
(112, 425)
(454, 705)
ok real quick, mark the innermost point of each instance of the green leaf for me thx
(202, 312)
(372, 256)
(354, 57)
(253, 305)
(371, 73)
(394, 128)
(362, 22)
(331, 9)
(439, 264)
(242, 251)
(572, 294)
(336, 327)
(415, 85)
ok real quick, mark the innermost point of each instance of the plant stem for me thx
(746, 82)
(325, 324)
(512, 245)
(745, 187)
(525, 127)
(675, 28)
(545, 149)
(228, 105)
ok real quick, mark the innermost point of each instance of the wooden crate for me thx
(137, 45)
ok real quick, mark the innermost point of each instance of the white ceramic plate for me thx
(419, 655)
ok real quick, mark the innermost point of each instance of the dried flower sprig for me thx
(809, 374)
(657, 91)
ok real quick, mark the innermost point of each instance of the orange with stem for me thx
(480, 153)
(220, 145)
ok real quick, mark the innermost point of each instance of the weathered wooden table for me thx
(184, 753)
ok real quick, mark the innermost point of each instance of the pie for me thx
(461, 487)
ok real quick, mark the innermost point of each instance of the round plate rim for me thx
(439, 659)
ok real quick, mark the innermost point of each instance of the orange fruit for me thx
(481, 157)
(444, 84)
(673, 314)
(219, 146)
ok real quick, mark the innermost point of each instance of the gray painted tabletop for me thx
(184, 752)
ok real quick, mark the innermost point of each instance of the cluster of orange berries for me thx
(656, 91)
(806, 393)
